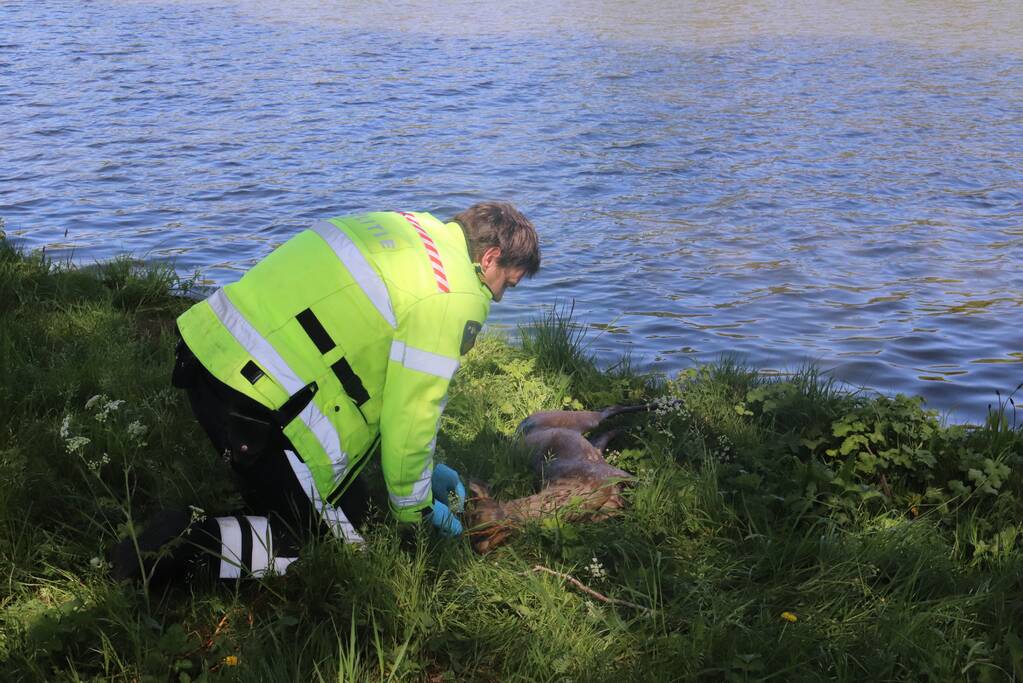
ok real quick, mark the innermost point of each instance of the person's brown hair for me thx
(499, 224)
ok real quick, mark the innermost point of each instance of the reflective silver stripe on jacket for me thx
(436, 429)
(420, 490)
(334, 517)
(423, 361)
(266, 355)
(253, 342)
(320, 425)
(368, 280)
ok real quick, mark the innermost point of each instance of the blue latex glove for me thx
(445, 520)
(445, 482)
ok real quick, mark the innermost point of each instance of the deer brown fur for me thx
(575, 480)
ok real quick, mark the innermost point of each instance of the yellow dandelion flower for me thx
(231, 660)
(789, 616)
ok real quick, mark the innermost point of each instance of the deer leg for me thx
(557, 449)
(614, 411)
(600, 441)
(578, 421)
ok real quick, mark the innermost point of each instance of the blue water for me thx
(742, 182)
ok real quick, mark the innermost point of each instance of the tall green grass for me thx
(748, 550)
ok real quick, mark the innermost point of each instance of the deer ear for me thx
(479, 489)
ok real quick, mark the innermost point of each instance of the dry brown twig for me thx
(216, 631)
(884, 486)
(586, 589)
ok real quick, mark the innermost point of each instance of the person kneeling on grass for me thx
(342, 339)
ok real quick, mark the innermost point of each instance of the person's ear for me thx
(490, 258)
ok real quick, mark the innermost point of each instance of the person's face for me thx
(498, 277)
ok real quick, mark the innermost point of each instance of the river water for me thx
(832, 182)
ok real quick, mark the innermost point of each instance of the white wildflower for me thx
(94, 400)
(95, 465)
(197, 514)
(65, 427)
(108, 407)
(666, 406)
(724, 450)
(136, 430)
(645, 475)
(596, 569)
(76, 443)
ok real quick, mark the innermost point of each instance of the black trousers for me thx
(248, 436)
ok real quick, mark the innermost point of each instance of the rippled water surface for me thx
(789, 182)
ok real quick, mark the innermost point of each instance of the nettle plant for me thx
(892, 449)
(898, 438)
(887, 436)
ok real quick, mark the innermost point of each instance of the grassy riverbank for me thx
(779, 529)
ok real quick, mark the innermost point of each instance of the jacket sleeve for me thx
(424, 357)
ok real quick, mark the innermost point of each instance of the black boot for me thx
(165, 548)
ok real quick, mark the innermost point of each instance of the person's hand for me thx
(445, 482)
(445, 520)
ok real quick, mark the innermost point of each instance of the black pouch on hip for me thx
(249, 437)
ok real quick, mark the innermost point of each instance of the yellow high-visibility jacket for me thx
(371, 313)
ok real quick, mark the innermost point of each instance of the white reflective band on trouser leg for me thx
(262, 545)
(262, 560)
(253, 342)
(420, 490)
(334, 517)
(368, 280)
(230, 547)
(423, 361)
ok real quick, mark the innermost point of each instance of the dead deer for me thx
(575, 480)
